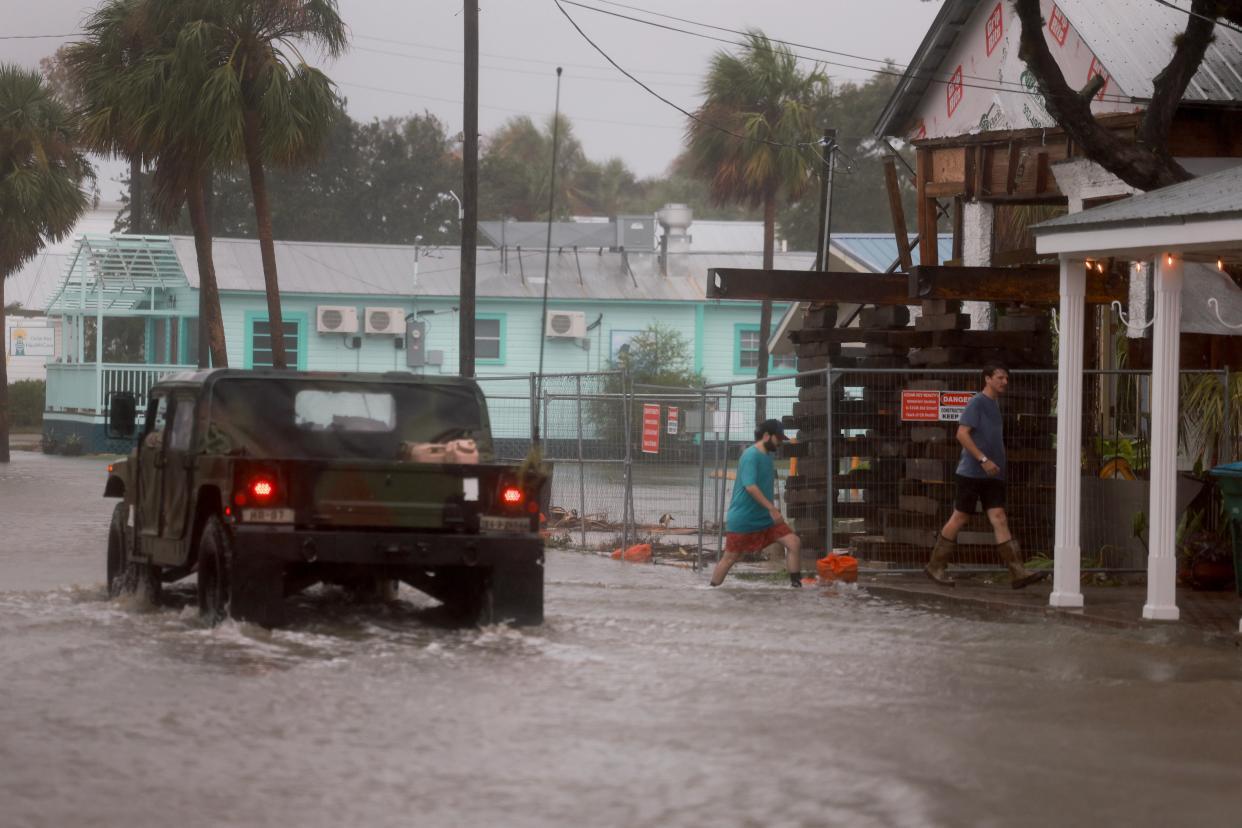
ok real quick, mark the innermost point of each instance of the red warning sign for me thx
(651, 428)
(934, 406)
(994, 29)
(674, 421)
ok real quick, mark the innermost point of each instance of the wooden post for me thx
(469, 192)
(898, 212)
(928, 253)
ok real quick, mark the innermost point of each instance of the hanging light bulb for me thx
(1220, 264)
(1168, 259)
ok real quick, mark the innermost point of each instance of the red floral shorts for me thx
(756, 541)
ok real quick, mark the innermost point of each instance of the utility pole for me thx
(825, 204)
(469, 190)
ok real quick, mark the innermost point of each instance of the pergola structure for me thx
(1199, 221)
(114, 276)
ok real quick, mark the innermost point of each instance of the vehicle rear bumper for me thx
(285, 546)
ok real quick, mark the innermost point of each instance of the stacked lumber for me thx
(891, 486)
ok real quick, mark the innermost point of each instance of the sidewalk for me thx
(1212, 613)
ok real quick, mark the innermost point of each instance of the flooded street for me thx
(646, 699)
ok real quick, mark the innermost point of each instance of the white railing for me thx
(84, 388)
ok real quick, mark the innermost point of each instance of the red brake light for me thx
(262, 488)
(512, 495)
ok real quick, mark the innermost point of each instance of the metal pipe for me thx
(1227, 423)
(698, 558)
(724, 471)
(581, 469)
(828, 470)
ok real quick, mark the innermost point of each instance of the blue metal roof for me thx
(879, 250)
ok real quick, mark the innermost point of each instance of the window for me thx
(748, 349)
(183, 424)
(617, 339)
(261, 343)
(190, 337)
(487, 338)
(328, 410)
(748, 353)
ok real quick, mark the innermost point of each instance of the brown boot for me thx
(1011, 557)
(941, 552)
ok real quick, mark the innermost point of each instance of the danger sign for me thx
(934, 406)
(651, 428)
(672, 420)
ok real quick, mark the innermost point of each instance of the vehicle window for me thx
(157, 419)
(183, 424)
(318, 410)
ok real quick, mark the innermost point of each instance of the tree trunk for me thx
(263, 217)
(137, 199)
(210, 323)
(1147, 164)
(765, 310)
(4, 382)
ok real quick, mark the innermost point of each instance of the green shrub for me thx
(26, 403)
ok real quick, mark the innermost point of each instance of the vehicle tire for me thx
(215, 563)
(119, 571)
(513, 594)
(229, 588)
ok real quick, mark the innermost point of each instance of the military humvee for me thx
(263, 483)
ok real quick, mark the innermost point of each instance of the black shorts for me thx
(971, 490)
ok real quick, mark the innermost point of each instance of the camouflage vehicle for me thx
(263, 483)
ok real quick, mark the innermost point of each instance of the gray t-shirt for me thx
(982, 416)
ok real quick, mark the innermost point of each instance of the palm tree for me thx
(259, 96)
(762, 96)
(134, 102)
(41, 178)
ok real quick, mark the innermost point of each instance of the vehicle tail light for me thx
(257, 487)
(511, 496)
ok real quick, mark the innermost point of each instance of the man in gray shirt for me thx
(980, 477)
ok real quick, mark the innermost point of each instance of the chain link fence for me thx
(869, 465)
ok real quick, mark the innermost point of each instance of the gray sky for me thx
(413, 51)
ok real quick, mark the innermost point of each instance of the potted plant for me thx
(1206, 559)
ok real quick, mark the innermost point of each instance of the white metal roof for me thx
(116, 273)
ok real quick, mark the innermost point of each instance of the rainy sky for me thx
(406, 58)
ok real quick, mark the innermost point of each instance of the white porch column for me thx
(1066, 580)
(978, 218)
(1162, 511)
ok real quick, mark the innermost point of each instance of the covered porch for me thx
(123, 305)
(1195, 224)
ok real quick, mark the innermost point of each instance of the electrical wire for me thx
(660, 97)
(1193, 13)
(1018, 88)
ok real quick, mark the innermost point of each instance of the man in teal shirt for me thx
(753, 521)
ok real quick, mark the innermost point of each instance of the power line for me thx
(660, 97)
(1018, 89)
(499, 108)
(1193, 13)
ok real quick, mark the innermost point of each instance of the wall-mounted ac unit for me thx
(336, 319)
(566, 325)
(385, 321)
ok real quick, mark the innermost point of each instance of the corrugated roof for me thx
(534, 234)
(1134, 39)
(1208, 197)
(388, 270)
(876, 251)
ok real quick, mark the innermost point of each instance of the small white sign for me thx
(470, 488)
(28, 341)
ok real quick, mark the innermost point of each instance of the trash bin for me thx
(1229, 479)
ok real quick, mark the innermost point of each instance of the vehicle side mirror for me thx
(122, 414)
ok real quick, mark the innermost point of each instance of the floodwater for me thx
(646, 699)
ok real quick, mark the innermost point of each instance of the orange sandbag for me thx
(638, 553)
(838, 568)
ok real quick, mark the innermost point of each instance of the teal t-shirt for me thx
(745, 514)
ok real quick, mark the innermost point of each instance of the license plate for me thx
(267, 515)
(492, 523)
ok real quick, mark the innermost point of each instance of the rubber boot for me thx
(941, 553)
(1012, 558)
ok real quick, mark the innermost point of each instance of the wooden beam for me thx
(1031, 284)
(944, 189)
(928, 253)
(1011, 167)
(808, 286)
(898, 211)
(959, 231)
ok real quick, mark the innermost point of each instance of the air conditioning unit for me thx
(336, 319)
(385, 321)
(566, 325)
